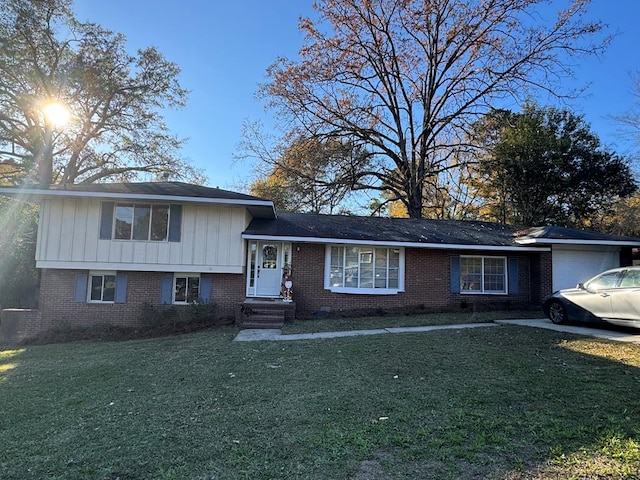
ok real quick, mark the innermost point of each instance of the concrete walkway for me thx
(252, 335)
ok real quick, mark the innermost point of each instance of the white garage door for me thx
(575, 265)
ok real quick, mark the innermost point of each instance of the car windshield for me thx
(606, 280)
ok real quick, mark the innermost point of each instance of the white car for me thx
(613, 297)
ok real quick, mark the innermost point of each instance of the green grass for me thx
(362, 323)
(505, 402)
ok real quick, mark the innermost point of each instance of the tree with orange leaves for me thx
(404, 79)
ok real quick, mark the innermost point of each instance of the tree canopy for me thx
(405, 79)
(116, 129)
(310, 176)
(545, 166)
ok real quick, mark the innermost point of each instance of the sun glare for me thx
(57, 114)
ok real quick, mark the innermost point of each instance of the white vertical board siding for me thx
(211, 240)
(211, 235)
(92, 232)
(198, 252)
(69, 225)
(211, 253)
(79, 232)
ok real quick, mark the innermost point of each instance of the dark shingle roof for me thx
(175, 189)
(382, 229)
(420, 231)
(165, 191)
(551, 232)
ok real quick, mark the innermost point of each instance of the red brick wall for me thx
(542, 275)
(427, 284)
(58, 305)
(427, 287)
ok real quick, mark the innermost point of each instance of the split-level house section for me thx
(105, 251)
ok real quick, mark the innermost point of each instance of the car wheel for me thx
(557, 312)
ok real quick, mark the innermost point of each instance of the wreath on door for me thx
(269, 252)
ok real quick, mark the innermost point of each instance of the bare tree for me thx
(405, 78)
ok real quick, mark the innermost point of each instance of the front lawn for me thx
(363, 323)
(505, 402)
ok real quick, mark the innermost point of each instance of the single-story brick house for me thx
(104, 250)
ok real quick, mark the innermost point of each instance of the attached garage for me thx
(577, 255)
(576, 264)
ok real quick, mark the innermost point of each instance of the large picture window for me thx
(483, 274)
(364, 269)
(141, 222)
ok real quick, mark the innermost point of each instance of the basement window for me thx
(102, 287)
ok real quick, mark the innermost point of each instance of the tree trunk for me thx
(414, 201)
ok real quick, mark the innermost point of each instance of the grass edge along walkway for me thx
(250, 335)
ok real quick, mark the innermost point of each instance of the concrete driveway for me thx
(610, 333)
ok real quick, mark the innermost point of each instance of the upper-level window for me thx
(141, 222)
(483, 274)
(365, 269)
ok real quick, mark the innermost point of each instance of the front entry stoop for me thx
(265, 313)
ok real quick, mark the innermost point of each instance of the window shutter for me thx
(205, 289)
(455, 274)
(106, 220)
(166, 287)
(81, 287)
(175, 223)
(513, 276)
(121, 289)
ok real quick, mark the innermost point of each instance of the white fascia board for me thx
(440, 246)
(132, 196)
(139, 267)
(552, 241)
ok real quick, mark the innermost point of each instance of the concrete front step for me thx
(270, 314)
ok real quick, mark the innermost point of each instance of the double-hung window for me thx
(364, 269)
(483, 274)
(141, 222)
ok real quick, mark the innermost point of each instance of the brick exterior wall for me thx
(427, 284)
(427, 287)
(58, 305)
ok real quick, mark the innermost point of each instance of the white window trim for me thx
(482, 292)
(97, 273)
(134, 205)
(173, 286)
(362, 291)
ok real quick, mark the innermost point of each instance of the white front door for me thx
(268, 269)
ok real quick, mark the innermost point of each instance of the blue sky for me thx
(225, 47)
